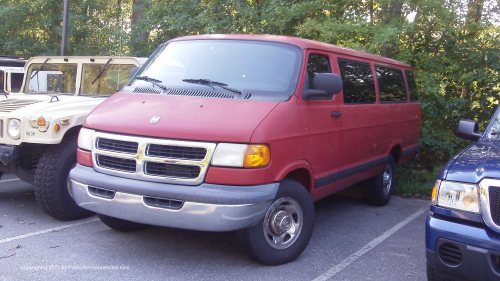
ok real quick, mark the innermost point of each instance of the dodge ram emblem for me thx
(154, 120)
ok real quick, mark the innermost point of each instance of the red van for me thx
(245, 132)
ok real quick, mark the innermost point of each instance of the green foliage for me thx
(414, 181)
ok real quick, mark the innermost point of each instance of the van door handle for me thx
(336, 114)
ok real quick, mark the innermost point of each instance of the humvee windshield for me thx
(112, 78)
(51, 78)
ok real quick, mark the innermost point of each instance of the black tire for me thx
(121, 225)
(380, 188)
(432, 275)
(257, 239)
(51, 181)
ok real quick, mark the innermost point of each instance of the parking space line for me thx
(9, 180)
(372, 244)
(87, 221)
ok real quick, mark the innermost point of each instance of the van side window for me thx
(391, 84)
(412, 85)
(359, 85)
(317, 64)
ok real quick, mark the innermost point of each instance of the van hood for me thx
(180, 117)
(481, 160)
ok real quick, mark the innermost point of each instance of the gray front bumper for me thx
(207, 207)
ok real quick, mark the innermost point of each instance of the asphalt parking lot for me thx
(351, 241)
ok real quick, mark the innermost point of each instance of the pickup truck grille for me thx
(489, 203)
(151, 159)
(495, 203)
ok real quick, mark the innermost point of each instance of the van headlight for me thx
(14, 128)
(241, 155)
(456, 195)
(85, 139)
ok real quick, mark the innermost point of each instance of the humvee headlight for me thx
(241, 155)
(14, 128)
(458, 196)
(85, 139)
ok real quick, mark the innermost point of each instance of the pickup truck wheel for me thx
(284, 232)
(379, 189)
(121, 225)
(52, 178)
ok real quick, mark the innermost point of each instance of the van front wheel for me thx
(379, 189)
(284, 232)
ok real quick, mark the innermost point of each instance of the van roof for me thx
(300, 42)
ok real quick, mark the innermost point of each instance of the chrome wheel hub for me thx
(283, 223)
(387, 178)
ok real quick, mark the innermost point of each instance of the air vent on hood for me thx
(10, 105)
(143, 90)
(201, 93)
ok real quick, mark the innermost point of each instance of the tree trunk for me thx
(138, 8)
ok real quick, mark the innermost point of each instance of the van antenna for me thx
(120, 49)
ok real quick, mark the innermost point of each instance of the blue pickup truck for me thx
(462, 233)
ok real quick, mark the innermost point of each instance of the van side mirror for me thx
(325, 86)
(468, 129)
(132, 72)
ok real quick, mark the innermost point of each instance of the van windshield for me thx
(51, 78)
(255, 67)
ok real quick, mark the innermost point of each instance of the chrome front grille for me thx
(176, 152)
(151, 159)
(117, 145)
(171, 170)
(489, 203)
(116, 163)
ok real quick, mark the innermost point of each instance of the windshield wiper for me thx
(211, 83)
(153, 81)
(100, 72)
(41, 66)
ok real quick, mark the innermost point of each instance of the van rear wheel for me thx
(284, 232)
(380, 188)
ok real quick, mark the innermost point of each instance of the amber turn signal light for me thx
(41, 122)
(257, 156)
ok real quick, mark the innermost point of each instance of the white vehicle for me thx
(39, 125)
(11, 79)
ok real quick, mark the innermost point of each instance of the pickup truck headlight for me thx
(14, 128)
(456, 195)
(85, 139)
(241, 155)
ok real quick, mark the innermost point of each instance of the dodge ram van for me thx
(39, 124)
(245, 132)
